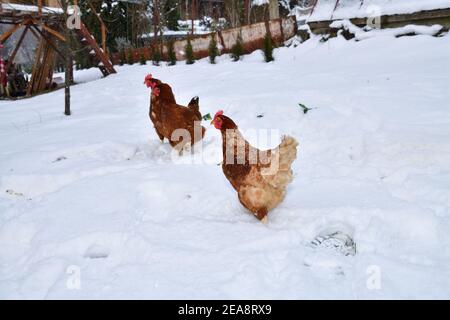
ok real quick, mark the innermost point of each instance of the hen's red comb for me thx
(147, 79)
(218, 113)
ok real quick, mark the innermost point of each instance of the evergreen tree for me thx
(122, 57)
(142, 59)
(172, 14)
(238, 49)
(190, 59)
(130, 58)
(268, 48)
(171, 53)
(156, 55)
(123, 19)
(213, 52)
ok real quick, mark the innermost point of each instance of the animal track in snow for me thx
(96, 251)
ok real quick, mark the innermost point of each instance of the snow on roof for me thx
(348, 9)
(29, 8)
(176, 33)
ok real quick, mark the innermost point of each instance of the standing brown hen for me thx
(259, 177)
(179, 124)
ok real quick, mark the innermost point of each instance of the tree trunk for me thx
(156, 13)
(274, 11)
(246, 12)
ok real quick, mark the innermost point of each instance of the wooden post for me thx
(103, 37)
(68, 61)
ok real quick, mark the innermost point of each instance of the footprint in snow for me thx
(96, 252)
(59, 159)
(13, 193)
(336, 241)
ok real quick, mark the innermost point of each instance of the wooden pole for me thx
(68, 63)
(103, 37)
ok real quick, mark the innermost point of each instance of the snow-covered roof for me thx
(176, 33)
(347, 9)
(28, 8)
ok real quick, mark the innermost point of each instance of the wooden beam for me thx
(103, 38)
(53, 32)
(102, 26)
(49, 41)
(96, 14)
(8, 33)
(16, 49)
(35, 34)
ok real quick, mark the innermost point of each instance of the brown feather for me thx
(259, 190)
(167, 116)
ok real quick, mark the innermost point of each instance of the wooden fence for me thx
(426, 17)
(252, 38)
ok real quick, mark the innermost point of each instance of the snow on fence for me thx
(252, 38)
(324, 10)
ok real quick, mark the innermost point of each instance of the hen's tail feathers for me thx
(288, 152)
(193, 104)
(282, 158)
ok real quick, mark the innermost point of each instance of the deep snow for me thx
(96, 194)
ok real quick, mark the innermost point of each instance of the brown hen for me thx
(179, 124)
(259, 177)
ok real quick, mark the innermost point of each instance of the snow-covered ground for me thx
(93, 206)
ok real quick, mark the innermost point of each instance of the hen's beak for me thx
(212, 121)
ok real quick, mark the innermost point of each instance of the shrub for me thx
(268, 48)
(213, 52)
(237, 50)
(156, 56)
(190, 59)
(122, 57)
(130, 58)
(171, 53)
(142, 59)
